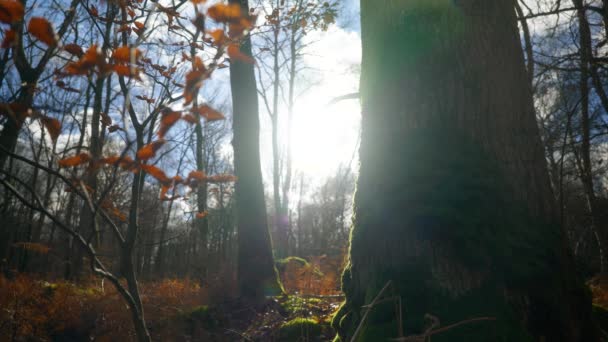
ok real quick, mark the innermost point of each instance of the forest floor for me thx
(32, 308)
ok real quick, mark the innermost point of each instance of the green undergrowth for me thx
(281, 264)
(301, 329)
(294, 304)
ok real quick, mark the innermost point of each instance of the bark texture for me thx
(453, 202)
(256, 273)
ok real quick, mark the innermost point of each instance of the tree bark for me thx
(598, 217)
(256, 273)
(453, 204)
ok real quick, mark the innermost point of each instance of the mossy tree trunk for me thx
(453, 202)
(256, 273)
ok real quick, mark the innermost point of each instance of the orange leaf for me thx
(89, 60)
(198, 1)
(139, 25)
(234, 52)
(168, 119)
(202, 215)
(11, 11)
(42, 29)
(75, 160)
(197, 174)
(218, 36)
(221, 178)
(125, 162)
(208, 113)
(126, 54)
(194, 80)
(126, 71)
(53, 126)
(163, 191)
(149, 150)
(9, 39)
(224, 13)
(74, 49)
(109, 160)
(190, 118)
(156, 173)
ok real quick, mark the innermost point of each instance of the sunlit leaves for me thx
(76, 160)
(168, 119)
(234, 52)
(124, 162)
(91, 59)
(149, 151)
(196, 175)
(218, 36)
(126, 54)
(157, 173)
(126, 71)
(221, 178)
(190, 118)
(52, 125)
(139, 28)
(225, 13)
(43, 30)
(208, 113)
(11, 11)
(194, 80)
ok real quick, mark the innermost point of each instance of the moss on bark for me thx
(453, 203)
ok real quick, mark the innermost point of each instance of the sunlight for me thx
(325, 136)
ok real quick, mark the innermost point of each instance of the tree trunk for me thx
(256, 273)
(453, 203)
(598, 217)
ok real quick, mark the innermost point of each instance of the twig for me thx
(240, 334)
(428, 334)
(351, 96)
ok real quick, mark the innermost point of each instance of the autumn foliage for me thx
(42, 310)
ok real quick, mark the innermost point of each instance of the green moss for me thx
(281, 264)
(453, 240)
(300, 329)
(293, 304)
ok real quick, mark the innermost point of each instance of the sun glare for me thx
(325, 136)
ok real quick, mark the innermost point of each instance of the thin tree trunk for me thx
(586, 171)
(256, 273)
